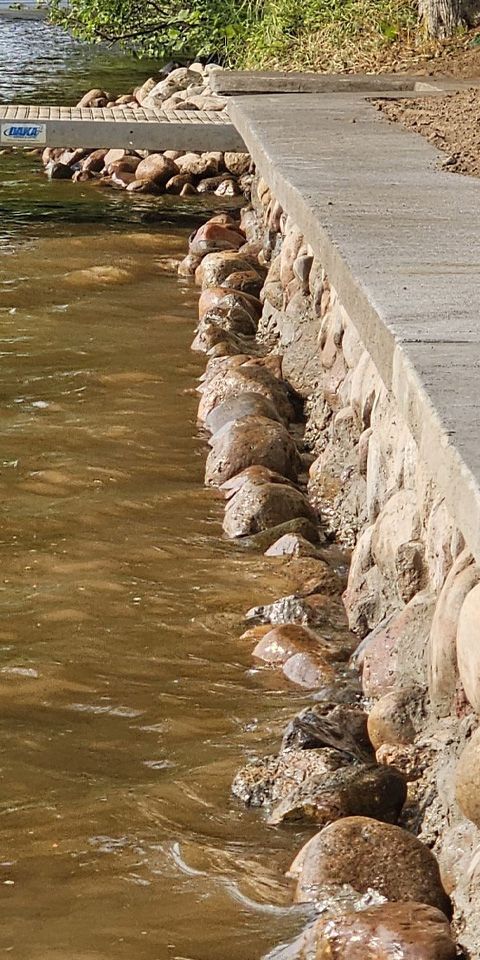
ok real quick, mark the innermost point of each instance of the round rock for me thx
(368, 854)
(387, 931)
(467, 780)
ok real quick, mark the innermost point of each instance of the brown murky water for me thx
(127, 698)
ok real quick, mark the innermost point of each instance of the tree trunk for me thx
(442, 17)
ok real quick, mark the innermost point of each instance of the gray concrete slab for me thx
(400, 240)
(238, 82)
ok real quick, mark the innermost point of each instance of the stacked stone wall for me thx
(413, 592)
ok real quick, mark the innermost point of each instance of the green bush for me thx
(316, 34)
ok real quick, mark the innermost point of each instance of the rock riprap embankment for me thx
(179, 173)
(278, 349)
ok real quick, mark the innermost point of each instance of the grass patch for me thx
(329, 35)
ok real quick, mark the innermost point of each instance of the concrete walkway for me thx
(400, 241)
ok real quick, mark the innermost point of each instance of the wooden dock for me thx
(128, 127)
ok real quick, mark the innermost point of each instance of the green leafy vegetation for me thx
(314, 34)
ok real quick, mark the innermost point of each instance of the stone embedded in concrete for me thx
(389, 720)
(468, 646)
(442, 646)
(467, 780)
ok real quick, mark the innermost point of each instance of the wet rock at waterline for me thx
(309, 670)
(281, 642)
(266, 781)
(255, 474)
(369, 855)
(386, 931)
(307, 529)
(216, 268)
(248, 404)
(252, 440)
(247, 377)
(212, 237)
(342, 728)
(258, 506)
(222, 300)
(210, 336)
(291, 545)
(356, 791)
(308, 610)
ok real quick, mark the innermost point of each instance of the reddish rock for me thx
(216, 268)
(175, 186)
(221, 300)
(215, 236)
(247, 281)
(234, 379)
(388, 931)
(236, 408)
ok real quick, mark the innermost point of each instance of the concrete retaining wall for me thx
(412, 595)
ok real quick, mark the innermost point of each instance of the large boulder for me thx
(283, 641)
(249, 441)
(257, 507)
(218, 301)
(367, 855)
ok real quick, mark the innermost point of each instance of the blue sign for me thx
(22, 133)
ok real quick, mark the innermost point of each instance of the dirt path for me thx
(450, 122)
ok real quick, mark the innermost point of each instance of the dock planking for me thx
(121, 126)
